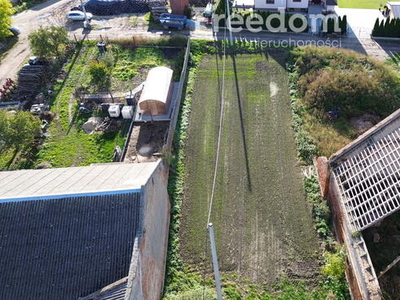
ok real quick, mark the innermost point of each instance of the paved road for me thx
(378, 49)
(53, 11)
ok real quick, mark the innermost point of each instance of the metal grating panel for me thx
(370, 181)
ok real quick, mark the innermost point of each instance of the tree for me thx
(376, 31)
(343, 25)
(23, 129)
(49, 41)
(99, 74)
(5, 18)
(18, 131)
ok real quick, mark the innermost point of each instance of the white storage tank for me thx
(114, 111)
(127, 112)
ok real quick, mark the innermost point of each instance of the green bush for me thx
(320, 209)
(335, 264)
(99, 74)
(388, 28)
(353, 83)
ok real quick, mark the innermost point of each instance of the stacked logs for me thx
(30, 80)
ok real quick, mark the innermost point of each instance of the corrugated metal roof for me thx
(78, 180)
(114, 291)
(67, 248)
(367, 173)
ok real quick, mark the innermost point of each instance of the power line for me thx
(222, 97)
(219, 130)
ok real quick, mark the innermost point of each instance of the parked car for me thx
(175, 21)
(34, 60)
(14, 30)
(77, 15)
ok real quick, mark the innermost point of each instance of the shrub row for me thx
(330, 26)
(388, 28)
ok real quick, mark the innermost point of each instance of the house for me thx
(361, 183)
(329, 5)
(393, 8)
(273, 5)
(157, 91)
(97, 232)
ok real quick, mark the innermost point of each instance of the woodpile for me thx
(157, 8)
(30, 80)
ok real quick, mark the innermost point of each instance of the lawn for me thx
(263, 224)
(372, 4)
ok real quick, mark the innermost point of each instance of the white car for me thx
(76, 15)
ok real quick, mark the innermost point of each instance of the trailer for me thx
(174, 21)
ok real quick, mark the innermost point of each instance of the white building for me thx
(394, 9)
(272, 5)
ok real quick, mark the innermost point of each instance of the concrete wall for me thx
(147, 273)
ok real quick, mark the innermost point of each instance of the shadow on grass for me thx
(239, 100)
(11, 161)
(7, 43)
(75, 57)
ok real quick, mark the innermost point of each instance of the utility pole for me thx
(228, 15)
(86, 22)
(215, 261)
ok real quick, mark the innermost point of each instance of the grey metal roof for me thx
(114, 291)
(66, 248)
(367, 173)
(77, 180)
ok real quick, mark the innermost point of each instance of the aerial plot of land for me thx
(263, 224)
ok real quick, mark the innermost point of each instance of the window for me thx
(270, 1)
(296, 0)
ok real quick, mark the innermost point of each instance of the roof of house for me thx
(395, 6)
(66, 233)
(157, 85)
(101, 178)
(66, 248)
(114, 291)
(367, 173)
(331, 2)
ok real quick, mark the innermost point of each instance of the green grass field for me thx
(372, 4)
(263, 224)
